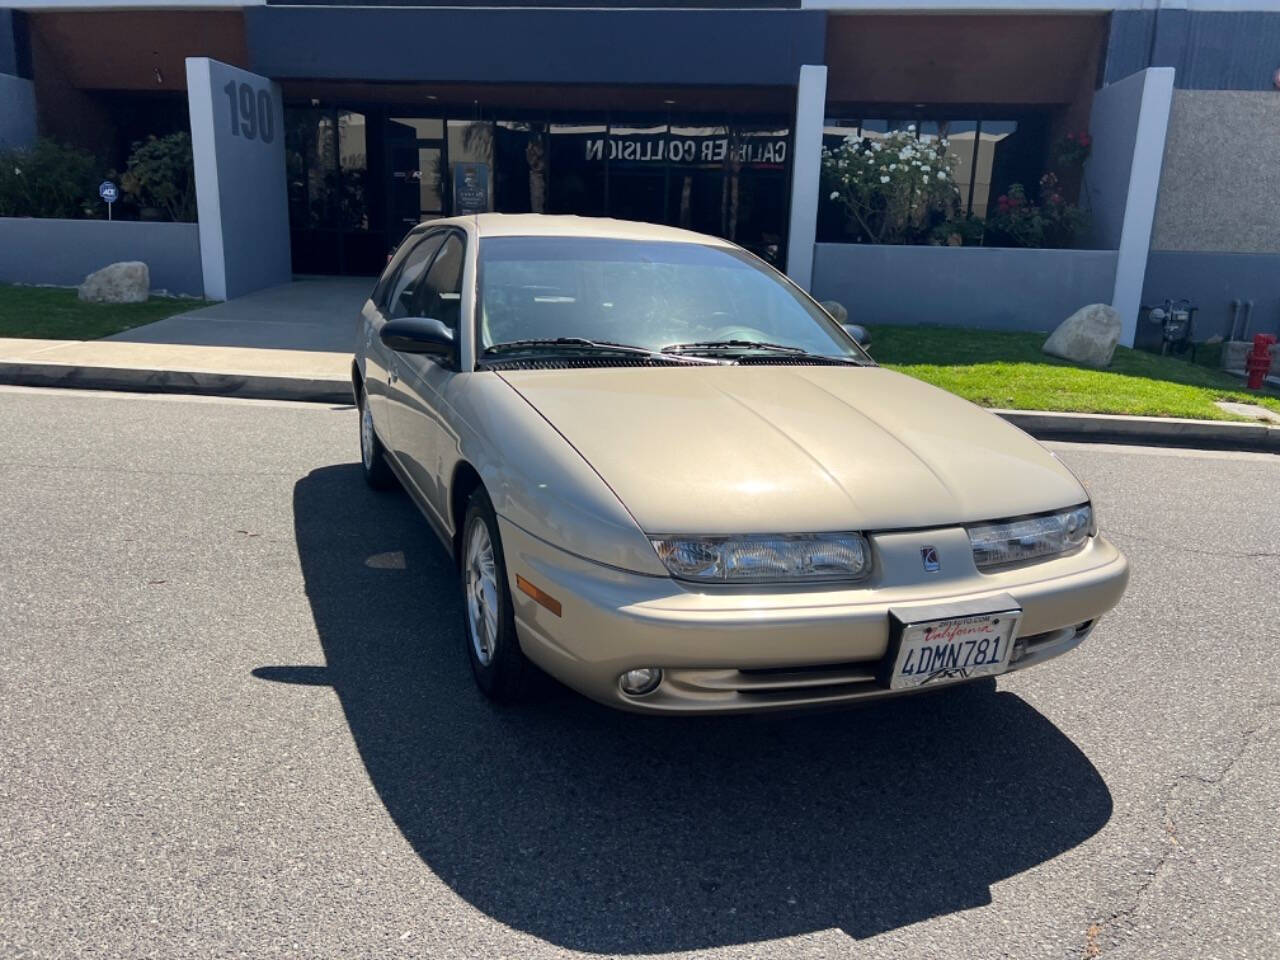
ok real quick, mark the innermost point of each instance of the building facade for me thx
(323, 131)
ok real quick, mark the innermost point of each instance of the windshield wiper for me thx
(717, 346)
(583, 344)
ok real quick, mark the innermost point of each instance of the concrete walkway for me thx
(294, 341)
(312, 313)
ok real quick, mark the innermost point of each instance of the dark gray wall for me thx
(17, 111)
(64, 252)
(1211, 281)
(1209, 49)
(729, 47)
(15, 58)
(987, 287)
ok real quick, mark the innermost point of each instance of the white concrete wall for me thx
(806, 172)
(237, 135)
(1140, 201)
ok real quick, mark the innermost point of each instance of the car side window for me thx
(440, 293)
(400, 294)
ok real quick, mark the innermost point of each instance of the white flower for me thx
(884, 179)
(911, 128)
(875, 145)
(945, 142)
(942, 175)
(17, 171)
(835, 195)
(893, 166)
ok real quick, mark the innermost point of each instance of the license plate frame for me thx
(963, 628)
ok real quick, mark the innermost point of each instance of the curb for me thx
(201, 383)
(1043, 425)
(1146, 431)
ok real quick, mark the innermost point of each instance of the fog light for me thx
(636, 683)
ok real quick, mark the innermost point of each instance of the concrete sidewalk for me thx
(270, 373)
(290, 342)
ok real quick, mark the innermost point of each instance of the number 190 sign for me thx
(252, 113)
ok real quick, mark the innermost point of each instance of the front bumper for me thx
(736, 649)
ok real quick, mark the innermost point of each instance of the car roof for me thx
(563, 225)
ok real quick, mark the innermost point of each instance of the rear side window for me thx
(401, 291)
(440, 296)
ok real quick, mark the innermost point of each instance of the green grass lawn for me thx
(1008, 370)
(54, 313)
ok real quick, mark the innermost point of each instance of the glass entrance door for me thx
(417, 156)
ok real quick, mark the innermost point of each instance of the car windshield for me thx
(688, 298)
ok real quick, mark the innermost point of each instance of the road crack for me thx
(1095, 941)
(1183, 548)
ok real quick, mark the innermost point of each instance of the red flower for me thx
(1085, 140)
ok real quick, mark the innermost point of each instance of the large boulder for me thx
(125, 282)
(1086, 337)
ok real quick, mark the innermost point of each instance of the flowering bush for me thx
(1017, 222)
(893, 190)
(1072, 151)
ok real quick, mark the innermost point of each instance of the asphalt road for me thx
(236, 720)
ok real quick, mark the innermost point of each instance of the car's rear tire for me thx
(373, 456)
(488, 617)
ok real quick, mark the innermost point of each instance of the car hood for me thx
(774, 449)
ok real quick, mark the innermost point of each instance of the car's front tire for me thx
(373, 455)
(497, 662)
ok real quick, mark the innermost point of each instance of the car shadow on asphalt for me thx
(614, 833)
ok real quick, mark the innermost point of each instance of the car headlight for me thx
(1014, 541)
(766, 558)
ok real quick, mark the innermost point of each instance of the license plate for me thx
(950, 649)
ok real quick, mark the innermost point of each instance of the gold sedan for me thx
(671, 480)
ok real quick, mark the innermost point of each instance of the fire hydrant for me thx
(1258, 362)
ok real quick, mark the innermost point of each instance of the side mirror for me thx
(859, 333)
(420, 335)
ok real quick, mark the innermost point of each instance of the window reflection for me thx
(358, 181)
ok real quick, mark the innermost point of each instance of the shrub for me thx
(893, 190)
(161, 173)
(49, 180)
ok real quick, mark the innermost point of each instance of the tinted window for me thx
(399, 302)
(643, 293)
(440, 294)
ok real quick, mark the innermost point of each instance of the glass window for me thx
(643, 293)
(440, 294)
(470, 166)
(400, 301)
(578, 168)
(520, 167)
(638, 171)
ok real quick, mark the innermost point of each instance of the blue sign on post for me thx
(109, 192)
